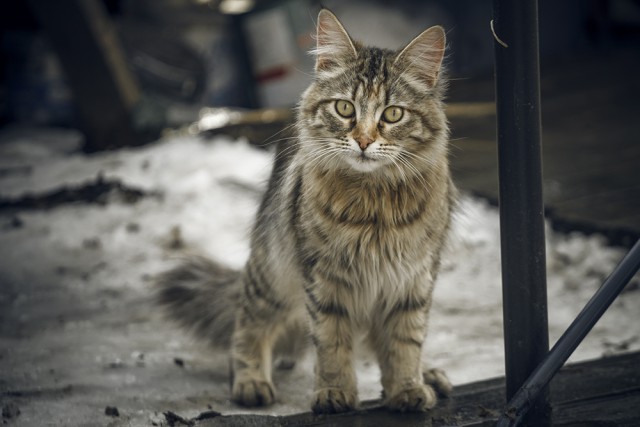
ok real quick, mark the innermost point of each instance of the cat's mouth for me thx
(364, 158)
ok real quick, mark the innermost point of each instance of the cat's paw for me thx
(333, 401)
(415, 399)
(437, 379)
(253, 392)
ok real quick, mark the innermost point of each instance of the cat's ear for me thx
(334, 43)
(423, 55)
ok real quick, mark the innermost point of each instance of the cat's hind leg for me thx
(260, 320)
(251, 362)
(437, 379)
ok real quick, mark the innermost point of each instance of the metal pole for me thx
(573, 336)
(515, 29)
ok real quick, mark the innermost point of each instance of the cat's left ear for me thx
(334, 44)
(423, 55)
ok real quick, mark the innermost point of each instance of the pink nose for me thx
(364, 142)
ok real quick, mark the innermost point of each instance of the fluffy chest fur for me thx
(369, 241)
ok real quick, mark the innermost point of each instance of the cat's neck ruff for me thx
(342, 175)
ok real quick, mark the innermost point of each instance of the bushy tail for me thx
(202, 296)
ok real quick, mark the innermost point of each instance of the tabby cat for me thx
(348, 237)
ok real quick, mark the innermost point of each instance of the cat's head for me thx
(372, 109)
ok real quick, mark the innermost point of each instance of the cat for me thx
(348, 236)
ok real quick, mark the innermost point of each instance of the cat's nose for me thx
(364, 142)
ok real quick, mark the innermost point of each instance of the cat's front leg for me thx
(398, 339)
(335, 380)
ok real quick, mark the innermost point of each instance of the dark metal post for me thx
(515, 29)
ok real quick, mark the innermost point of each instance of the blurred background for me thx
(253, 53)
(134, 131)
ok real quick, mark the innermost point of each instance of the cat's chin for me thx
(364, 165)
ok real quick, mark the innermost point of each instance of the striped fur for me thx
(348, 239)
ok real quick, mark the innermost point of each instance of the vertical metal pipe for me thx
(515, 29)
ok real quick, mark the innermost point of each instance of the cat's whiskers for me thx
(422, 158)
(386, 152)
(294, 142)
(323, 155)
(415, 172)
(269, 141)
(401, 171)
(286, 151)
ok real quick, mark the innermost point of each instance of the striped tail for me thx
(202, 295)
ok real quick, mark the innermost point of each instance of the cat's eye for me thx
(345, 108)
(392, 114)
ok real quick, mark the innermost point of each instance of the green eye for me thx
(392, 114)
(345, 108)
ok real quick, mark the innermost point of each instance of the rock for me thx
(10, 410)
(111, 411)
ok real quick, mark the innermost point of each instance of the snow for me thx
(210, 192)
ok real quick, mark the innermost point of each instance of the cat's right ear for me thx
(334, 43)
